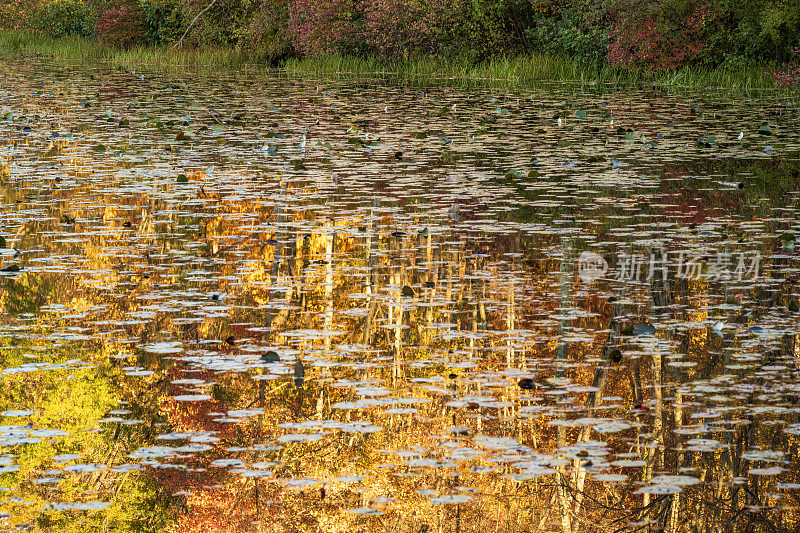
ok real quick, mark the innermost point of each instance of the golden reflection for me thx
(229, 352)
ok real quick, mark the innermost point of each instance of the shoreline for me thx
(499, 72)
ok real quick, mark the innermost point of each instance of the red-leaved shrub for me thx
(790, 76)
(386, 27)
(324, 26)
(120, 24)
(646, 36)
(403, 26)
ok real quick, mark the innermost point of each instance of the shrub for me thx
(649, 34)
(61, 18)
(790, 76)
(757, 29)
(324, 26)
(218, 25)
(15, 14)
(409, 27)
(263, 30)
(658, 36)
(163, 21)
(482, 28)
(578, 28)
(121, 26)
(414, 27)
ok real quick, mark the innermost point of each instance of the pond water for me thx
(257, 304)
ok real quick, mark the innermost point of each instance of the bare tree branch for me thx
(179, 42)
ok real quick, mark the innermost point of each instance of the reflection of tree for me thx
(446, 317)
(300, 282)
(586, 499)
(72, 399)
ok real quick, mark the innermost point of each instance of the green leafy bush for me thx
(754, 30)
(496, 26)
(61, 18)
(15, 14)
(163, 21)
(263, 29)
(577, 28)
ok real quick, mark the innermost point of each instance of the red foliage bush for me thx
(790, 77)
(398, 26)
(643, 36)
(120, 24)
(385, 27)
(323, 26)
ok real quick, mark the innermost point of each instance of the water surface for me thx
(256, 304)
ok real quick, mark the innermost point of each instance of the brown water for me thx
(443, 311)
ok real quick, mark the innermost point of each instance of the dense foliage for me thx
(649, 34)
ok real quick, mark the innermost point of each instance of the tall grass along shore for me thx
(508, 71)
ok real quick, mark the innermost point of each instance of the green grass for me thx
(25, 44)
(510, 72)
(164, 58)
(530, 70)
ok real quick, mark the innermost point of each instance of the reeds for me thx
(529, 70)
(508, 72)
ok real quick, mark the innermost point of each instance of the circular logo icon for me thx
(591, 266)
